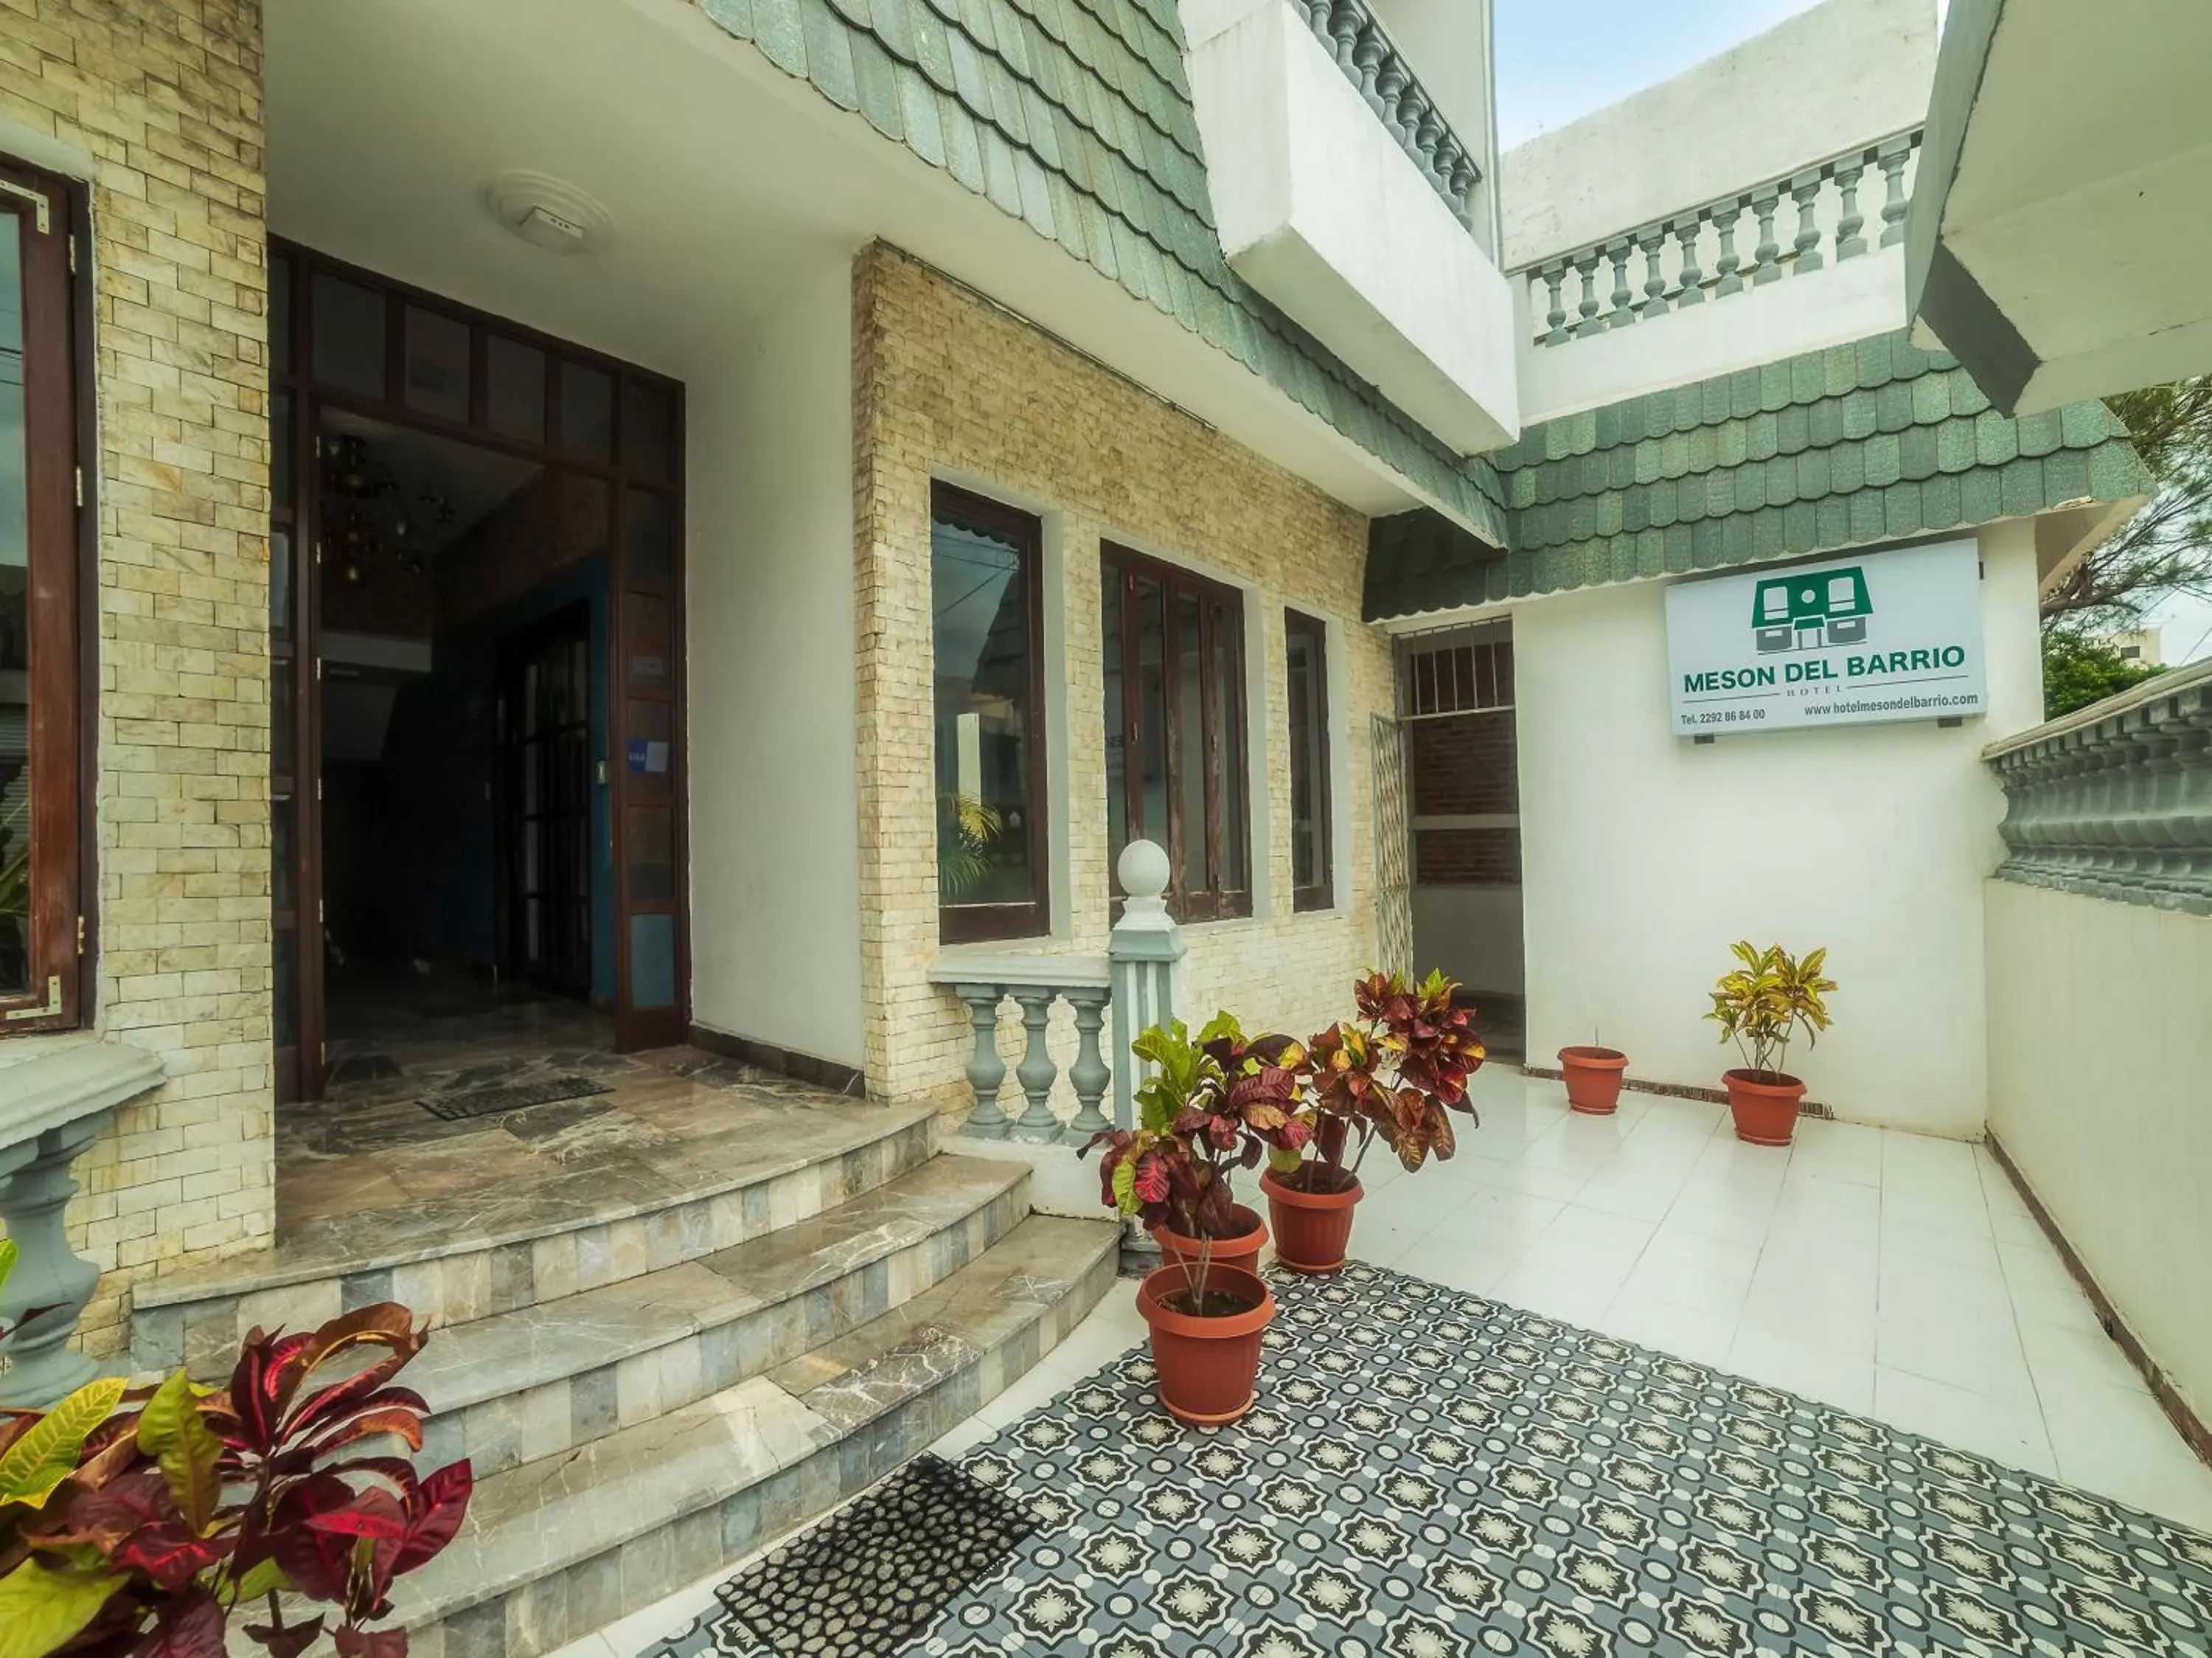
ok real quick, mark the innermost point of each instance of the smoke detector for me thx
(549, 212)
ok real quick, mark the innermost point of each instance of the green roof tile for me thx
(2040, 434)
(1892, 442)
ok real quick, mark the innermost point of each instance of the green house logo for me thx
(1806, 611)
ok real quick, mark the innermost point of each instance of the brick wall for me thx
(948, 387)
(165, 95)
(1464, 765)
(1467, 858)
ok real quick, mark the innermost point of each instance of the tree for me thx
(2079, 669)
(2168, 546)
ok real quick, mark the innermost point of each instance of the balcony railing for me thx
(1371, 60)
(2116, 802)
(1700, 254)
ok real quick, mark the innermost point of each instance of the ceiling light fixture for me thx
(549, 212)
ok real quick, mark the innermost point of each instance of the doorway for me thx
(477, 761)
(1455, 702)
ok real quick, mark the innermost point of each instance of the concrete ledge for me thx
(64, 1086)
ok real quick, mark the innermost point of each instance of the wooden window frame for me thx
(1321, 894)
(1212, 902)
(975, 923)
(48, 214)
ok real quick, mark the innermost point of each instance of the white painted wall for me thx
(1842, 74)
(1834, 306)
(2099, 1052)
(1450, 44)
(1473, 933)
(1644, 855)
(775, 894)
(1321, 210)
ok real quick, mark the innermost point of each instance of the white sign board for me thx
(1885, 636)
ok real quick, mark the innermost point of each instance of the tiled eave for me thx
(1877, 440)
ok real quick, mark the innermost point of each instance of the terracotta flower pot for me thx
(1242, 1250)
(1311, 1228)
(1593, 1078)
(1764, 1104)
(1207, 1366)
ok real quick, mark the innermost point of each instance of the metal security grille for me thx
(1457, 672)
(1394, 904)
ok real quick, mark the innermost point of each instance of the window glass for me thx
(989, 726)
(587, 413)
(648, 434)
(651, 536)
(514, 388)
(1173, 667)
(280, 312)
(15, 965)
(437, 364)
(348, 336)
(41, 599)
(1306, 666)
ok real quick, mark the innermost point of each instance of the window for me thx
(41, 787)
(987, 622)
(1305, 657)
(1174, 649)
(1459, 673)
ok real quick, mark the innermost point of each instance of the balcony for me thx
(2059, 249)
(1343, 194)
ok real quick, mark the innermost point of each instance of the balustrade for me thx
(1701, 244)
(1135, 980)
(2116, 802)
(1352, 34)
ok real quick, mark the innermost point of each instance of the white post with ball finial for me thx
(1144, 951)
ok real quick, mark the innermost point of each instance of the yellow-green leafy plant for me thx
(1766, 1000)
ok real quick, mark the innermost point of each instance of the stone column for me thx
(47, 1292)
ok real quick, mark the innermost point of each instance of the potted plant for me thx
(145, 1519)
(1593, 1075)
(1394, 1074)
(1214, 1105)
(1759, 1006)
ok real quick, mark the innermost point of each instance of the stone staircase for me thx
(650, 1389)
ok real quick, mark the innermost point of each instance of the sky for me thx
(1557, 61)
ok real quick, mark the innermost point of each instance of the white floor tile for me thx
(2004, 1429)
(1599, 1228)
(2122, 1445)
(1934, 1214)
(1966, 1344)
(1844, 1380)
(2069, 1362)
(1713, 1287)
(1701, 1334)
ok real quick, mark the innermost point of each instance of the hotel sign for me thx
(1882, 637)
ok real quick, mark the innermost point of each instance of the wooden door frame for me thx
(304, 1074)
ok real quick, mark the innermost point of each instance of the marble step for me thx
(559, 1546)
(532, 1383)
(479, 1254)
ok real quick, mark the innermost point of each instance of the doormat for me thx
(496, 1097)
(861, 1584)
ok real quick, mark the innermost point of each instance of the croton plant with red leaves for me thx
(136, 1521)
(1394, 1074)
(1211, 1106)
